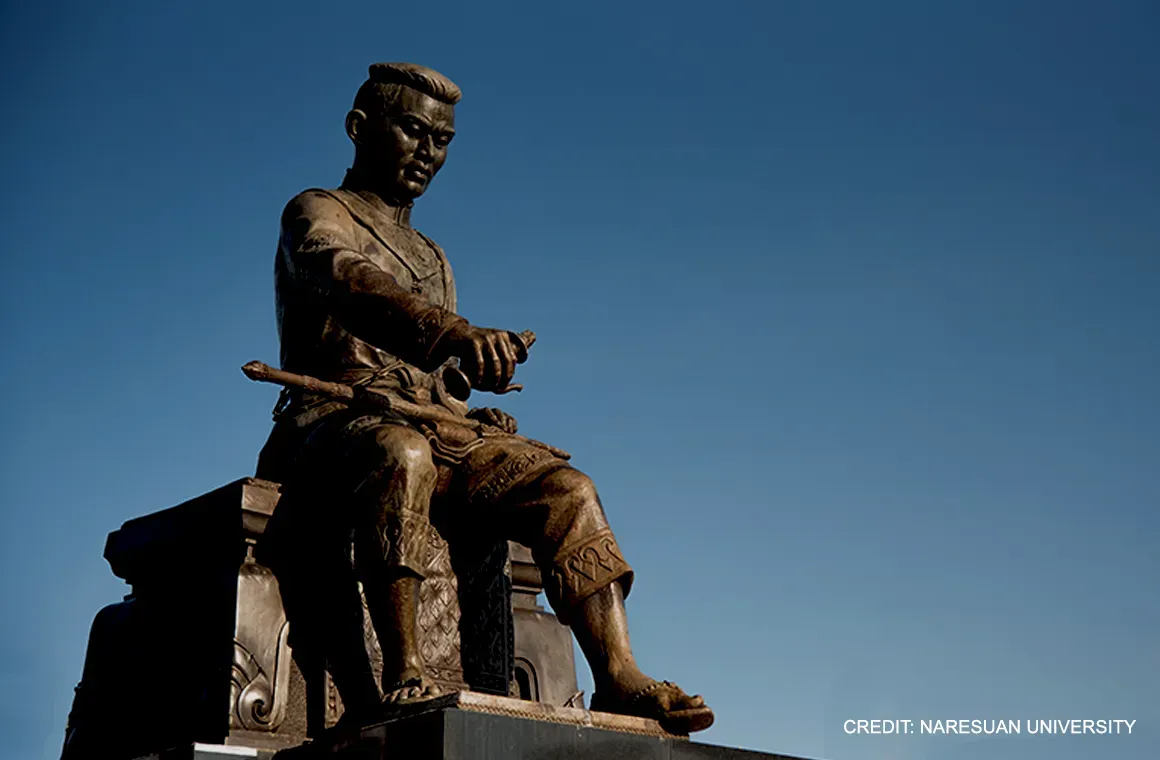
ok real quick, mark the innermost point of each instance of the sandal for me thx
(662, 701)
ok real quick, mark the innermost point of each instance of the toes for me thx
(678, 699)
(413, 692)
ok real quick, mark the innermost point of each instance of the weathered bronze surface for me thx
(368, 303)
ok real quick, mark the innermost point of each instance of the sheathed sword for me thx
(361, 396)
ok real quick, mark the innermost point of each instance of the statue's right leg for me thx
(392, 506)
(364, 477)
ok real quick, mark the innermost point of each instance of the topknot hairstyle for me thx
(387, 80)
(425, 80)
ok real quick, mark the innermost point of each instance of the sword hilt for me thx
(261, 372)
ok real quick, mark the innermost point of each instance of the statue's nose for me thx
(426, 149)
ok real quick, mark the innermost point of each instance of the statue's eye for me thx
(413, 128)
(443, 141)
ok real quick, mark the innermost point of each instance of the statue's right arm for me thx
(320, 251)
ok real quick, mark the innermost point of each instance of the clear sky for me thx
(850, 309)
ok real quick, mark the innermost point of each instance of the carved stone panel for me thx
(260, 676)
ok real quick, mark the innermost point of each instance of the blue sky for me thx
(849, 308)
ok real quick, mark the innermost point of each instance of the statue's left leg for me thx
(559, 516)
(601, 627)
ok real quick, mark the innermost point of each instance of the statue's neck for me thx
(358, 182)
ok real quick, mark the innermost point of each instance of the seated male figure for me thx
(365, 299)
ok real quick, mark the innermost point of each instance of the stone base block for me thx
(469, 726)
(200, 751)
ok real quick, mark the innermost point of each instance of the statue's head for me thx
(401, 124)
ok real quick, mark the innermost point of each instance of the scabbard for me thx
(433, 413)
(375, 399)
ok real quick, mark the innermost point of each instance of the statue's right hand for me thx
(488, 357)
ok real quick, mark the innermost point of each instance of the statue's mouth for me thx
(416, 174)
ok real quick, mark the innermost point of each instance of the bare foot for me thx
(417, 688)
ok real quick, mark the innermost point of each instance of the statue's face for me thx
(407, 149)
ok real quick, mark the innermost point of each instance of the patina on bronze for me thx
(366, 302)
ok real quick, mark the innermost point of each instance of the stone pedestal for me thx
(469, 726)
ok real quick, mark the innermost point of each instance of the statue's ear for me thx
(355, 122)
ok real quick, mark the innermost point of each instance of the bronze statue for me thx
(366, 302)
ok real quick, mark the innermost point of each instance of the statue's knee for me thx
(397, 495)
(405, 451)
(572, 486)
(574, 506)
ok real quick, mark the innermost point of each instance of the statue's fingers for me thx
(477, 369)
(513, 356)
(498, 371)
(487, 369)
(497, 367)
(510, 358)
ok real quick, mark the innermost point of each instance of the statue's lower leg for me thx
(394, 605)
(600, 624)
(601, 628)
(392, 553)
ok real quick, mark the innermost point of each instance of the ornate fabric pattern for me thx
(519, 465)
(406, 543)
(583, 568)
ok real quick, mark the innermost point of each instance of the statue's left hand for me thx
(496, 417)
